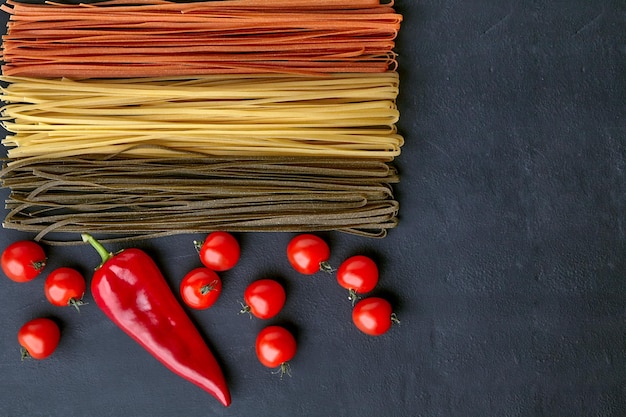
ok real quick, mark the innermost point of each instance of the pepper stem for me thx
(104, 254)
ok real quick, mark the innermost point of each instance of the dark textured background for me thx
(507, 270)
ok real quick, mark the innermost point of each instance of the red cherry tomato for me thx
(264, 298)
(358, 274)
(23, 260)
(65, 286)
(275, 346)
(220, 251)
(373, 316)
(39, 338)
(308, 254)
(200, 288)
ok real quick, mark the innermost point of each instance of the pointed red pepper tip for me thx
(225, 400)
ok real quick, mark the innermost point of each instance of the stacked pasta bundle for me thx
(161, 38)
(156, 117)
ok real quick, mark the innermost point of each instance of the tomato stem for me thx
(198, 245)
(353, 296)
(76, 303)
(245, 309)
(284, 369)
(394, 318)
(24, 353)
(104, 254)
(39, 265)
(208, 288)
(326, 267)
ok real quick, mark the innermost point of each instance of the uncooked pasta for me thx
(347, 115)
(142, 118)
(143, 197)
(120, 39)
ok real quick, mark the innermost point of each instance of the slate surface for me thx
(507, 270)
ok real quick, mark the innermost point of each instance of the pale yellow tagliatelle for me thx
(343, 115)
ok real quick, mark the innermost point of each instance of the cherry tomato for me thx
(220, 251)
(39, 338)
(373, 316)
(65, 286)
(275, 346)
(264, 298)
(23, 260)
(308, 254)
(358, 274)
(200, 288)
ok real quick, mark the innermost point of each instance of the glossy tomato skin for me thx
(220, 251)
(65, 286)
(200, 288)
(275, 346)
(308, 253)
(39, 337)
(23, 260)
(373, 316)
(264, 298)
(358, 273)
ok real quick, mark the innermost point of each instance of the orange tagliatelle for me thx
(117, 39)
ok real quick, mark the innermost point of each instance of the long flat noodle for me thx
(247, 37)
(146, 197)
(341, 115)
(228, 4)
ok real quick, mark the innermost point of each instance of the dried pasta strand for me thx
(146, 197)
(120, 39)
(342, 115)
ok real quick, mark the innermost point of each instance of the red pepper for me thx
(132, 292)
